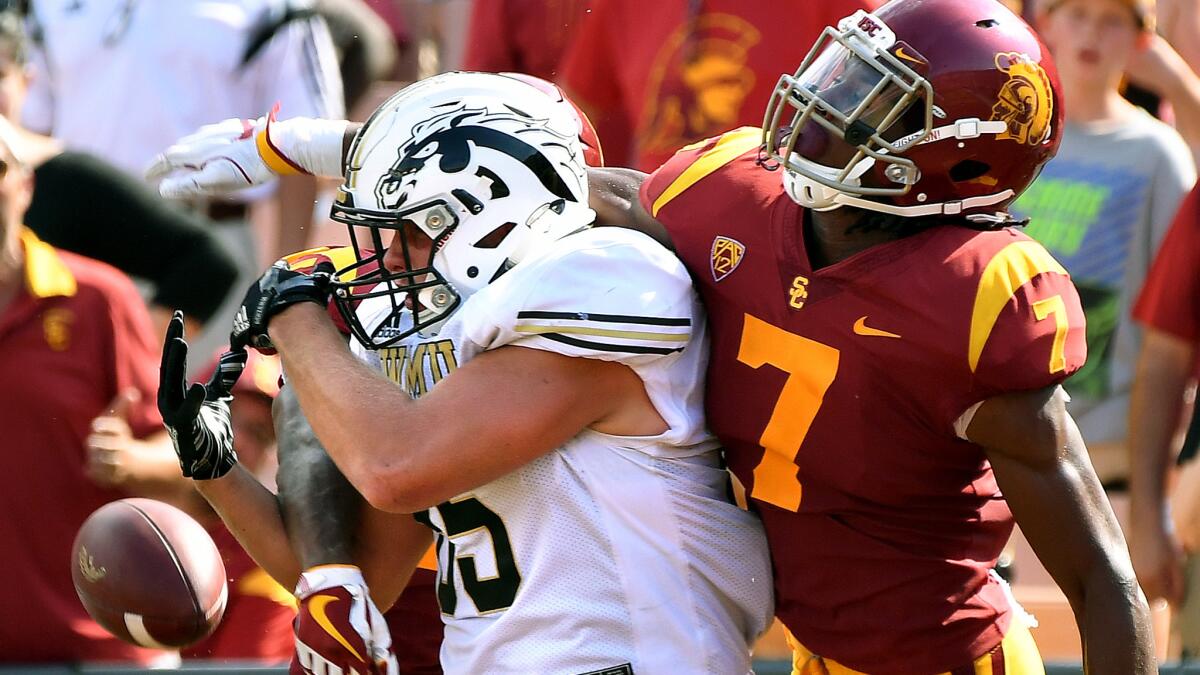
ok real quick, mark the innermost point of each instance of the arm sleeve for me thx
(83, 205)
(616, 296)
(135, 353)
(488, 46)
(1170, 299)
(1037, 338)
(298, 69)
(588, 73)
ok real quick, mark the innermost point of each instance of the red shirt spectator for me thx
(523, 36)
(1170, 298)
(73, 336)
(655, 76)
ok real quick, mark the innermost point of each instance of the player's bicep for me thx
(1042, 468)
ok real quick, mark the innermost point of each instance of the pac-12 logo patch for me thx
(1026, 102)
(727, 254)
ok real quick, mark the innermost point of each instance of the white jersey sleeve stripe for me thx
(606, 318)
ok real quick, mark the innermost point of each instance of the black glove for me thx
(277, 289)
(197, 417)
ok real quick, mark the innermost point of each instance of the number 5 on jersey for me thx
(811, 368)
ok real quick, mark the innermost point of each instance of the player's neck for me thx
(829, 239)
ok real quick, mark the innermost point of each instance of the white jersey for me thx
(610, 554)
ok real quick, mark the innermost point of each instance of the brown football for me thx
(149, 574)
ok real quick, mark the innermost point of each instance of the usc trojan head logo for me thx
(698, 82)
(1026, 101)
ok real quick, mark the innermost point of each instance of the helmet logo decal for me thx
(1026, 102)
(451, 136)
(727, 254)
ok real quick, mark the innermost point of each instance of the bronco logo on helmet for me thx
(1026, 101)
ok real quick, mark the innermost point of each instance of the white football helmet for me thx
(489, 167)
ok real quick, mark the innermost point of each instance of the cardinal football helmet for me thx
(489, 167)
(938, 107)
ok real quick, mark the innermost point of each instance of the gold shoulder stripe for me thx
(729, 147)
(46, 275)
(1008, 270)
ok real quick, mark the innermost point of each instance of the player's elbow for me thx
(398, 488)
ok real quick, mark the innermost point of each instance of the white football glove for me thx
(238, 153)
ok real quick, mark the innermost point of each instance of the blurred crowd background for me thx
(92, 260)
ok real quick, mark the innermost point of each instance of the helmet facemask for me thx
(859, 98)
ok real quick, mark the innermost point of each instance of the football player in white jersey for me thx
(548, 425)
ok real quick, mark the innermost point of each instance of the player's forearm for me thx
(1115, 627)
(251, 512)
(320, 507)
(354, 413)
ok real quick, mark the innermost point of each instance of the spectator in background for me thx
(129, 226)
(77, 363)
(103, 67)
(1104, 203)
(1169, 311)
(365, 45)
(655, 76)
(522, 36)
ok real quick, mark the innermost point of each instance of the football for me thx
(149, 574)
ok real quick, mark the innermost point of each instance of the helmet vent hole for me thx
(968, 169)
(492, 239)
(472, 271)
(987, 23)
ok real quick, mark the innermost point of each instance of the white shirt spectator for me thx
(123, 79)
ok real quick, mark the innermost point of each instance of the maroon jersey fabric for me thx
(75, 335)
(883, 523)
(416, 625)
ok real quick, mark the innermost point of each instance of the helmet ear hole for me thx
(495, 237)
(968, 169)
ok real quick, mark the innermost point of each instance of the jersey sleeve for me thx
(689, 166)
(613, 296)
(1170, 298)
(1026, 327)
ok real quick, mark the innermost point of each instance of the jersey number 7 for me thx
(811, 368)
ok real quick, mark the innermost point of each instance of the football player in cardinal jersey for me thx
(548, 425)
(887, 346)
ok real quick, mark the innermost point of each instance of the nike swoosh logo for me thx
(907, 57)
(316, 607)
(861, 328)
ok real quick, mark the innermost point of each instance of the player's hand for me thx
(215, 160)
(197, 417)
(276, 290)
(339, 630)
(238, 153)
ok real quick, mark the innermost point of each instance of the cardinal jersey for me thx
(609, 554)
(837, 393)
